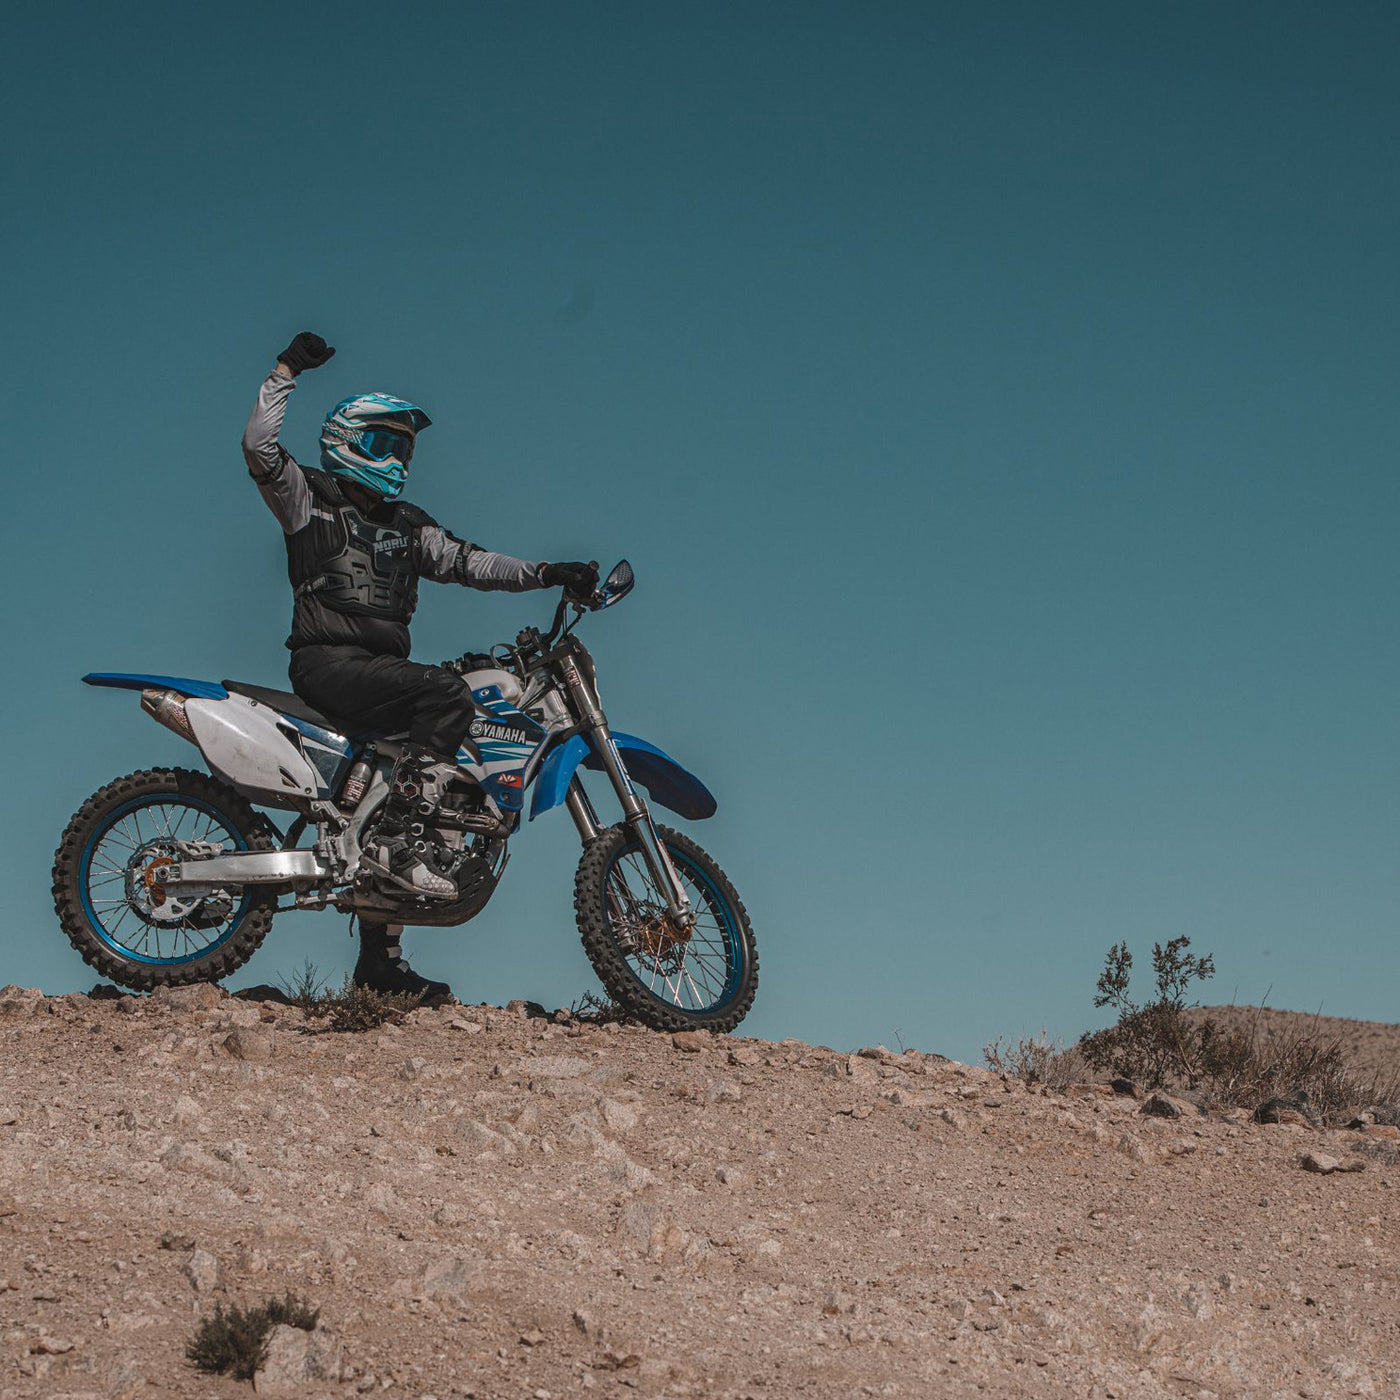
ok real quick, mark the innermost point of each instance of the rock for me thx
(526, 1010)
(1386, 1131)
(45, 1345)
(481, 1138)
(171, 1240)
(447, 1277)
(1324, 1165)
(1386, 1114)
(459, 1023)
(532, 1338)
(105, 991)
(617, 1117)
(1290, 1109)
(413, 1068)
(631, 1177)
(729, 1176)
(952, 1117)
(724, 1091)
(1160, 1105)
(129, 1006)
(19, 1001)
(125, 1378)
(746, 1055)
(198, 996)
(691, 1042)
(553, 1067)
(204, 1272)
(1125, 1086)
(186, 1111)
(247, 1043)
(264, 992)
(293, 1358)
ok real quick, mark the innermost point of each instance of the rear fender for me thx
(254, 748)
(667, 782)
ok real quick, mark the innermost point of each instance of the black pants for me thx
(366, 692)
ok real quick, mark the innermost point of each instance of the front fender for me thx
(667, 782)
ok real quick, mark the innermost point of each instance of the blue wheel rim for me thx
(105, 935)
(731, 942)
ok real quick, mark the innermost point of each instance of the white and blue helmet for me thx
(369, 439)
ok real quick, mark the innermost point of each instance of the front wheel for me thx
(120, 919)
(669, 978)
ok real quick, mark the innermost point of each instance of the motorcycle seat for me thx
(285, 702)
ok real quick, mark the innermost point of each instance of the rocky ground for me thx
(488, 1203)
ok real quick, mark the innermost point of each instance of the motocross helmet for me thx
(369, 440)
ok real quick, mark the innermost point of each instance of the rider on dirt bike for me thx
(355, 553)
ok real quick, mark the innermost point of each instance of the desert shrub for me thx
(350, 1008)
(597, 1010)
(1153, 1042)
(234, 1342)
(1162, 1043)
(1034, 1059)
(1244, 1068)
(362, 1009)
(305, 988)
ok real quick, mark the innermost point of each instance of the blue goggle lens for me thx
(381, 443)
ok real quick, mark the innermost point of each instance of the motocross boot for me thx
(382, 966)
(398, 848)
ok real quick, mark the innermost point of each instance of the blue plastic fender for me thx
(122, 680)
(667, 782)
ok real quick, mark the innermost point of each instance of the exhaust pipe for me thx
(168, 708)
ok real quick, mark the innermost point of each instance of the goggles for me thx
(378, 444)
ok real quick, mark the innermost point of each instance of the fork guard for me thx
(667, 782)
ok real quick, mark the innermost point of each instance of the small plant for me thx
(597, 1010)
(1034, 1059)
(351, 1008)
(235, 1342)
(363, 1009)
(305, 988)
(1156, 1041)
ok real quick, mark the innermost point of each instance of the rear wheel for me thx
(669, 978)
(120, 919)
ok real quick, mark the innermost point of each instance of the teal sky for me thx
(997, 402)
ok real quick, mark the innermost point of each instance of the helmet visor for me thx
(379, 444)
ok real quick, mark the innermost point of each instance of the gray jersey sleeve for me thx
(446, 559)
(276, 471)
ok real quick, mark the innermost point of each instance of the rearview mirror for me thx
(618, 584)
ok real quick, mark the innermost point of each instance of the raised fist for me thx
(307, 351)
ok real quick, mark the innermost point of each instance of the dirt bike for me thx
(172, 875)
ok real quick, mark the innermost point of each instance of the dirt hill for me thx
(485, 1203)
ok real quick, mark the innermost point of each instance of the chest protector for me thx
(362, 565)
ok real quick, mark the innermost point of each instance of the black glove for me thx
(578, 580)
(307, 351)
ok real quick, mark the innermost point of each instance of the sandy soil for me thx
(488, 1204)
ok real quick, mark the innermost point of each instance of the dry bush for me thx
(235, 1342)
(1244, 1068)
(305, 988)
(1163, 1044)
(351, 1008)
(1155, 1042)
(1034, 1059)
(597, 1010)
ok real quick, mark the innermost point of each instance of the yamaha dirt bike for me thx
(171, 875)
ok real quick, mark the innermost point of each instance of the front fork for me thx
(635, 811)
